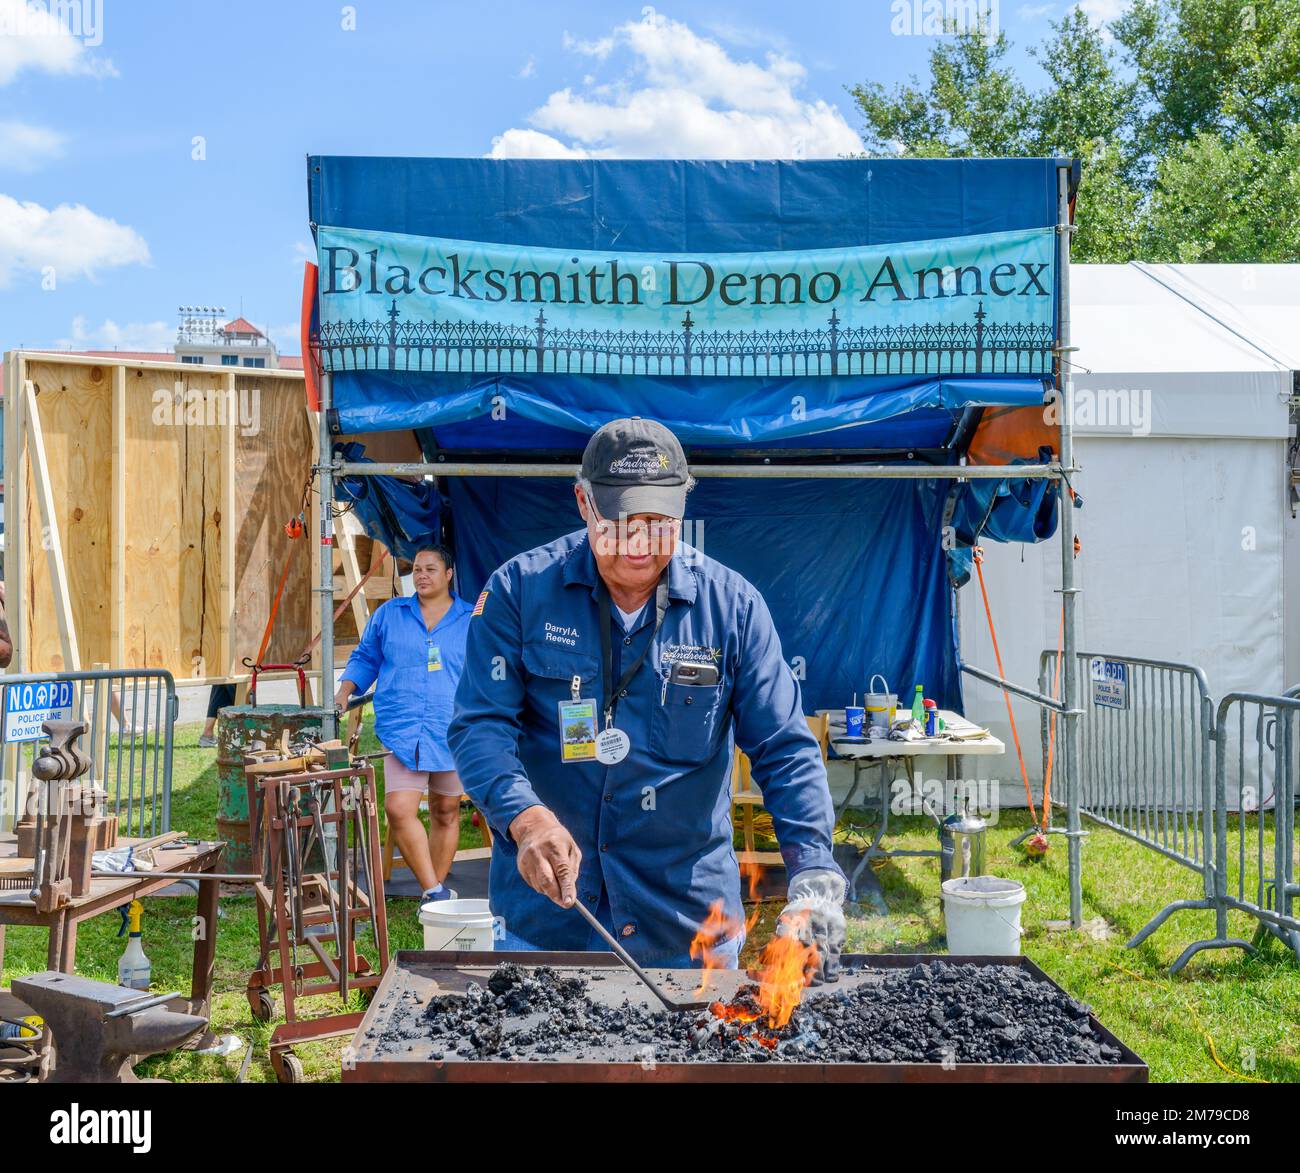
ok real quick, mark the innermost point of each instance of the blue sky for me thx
(109, 221)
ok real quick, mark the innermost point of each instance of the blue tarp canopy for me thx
(854, 571)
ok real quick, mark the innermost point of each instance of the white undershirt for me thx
(629, 617)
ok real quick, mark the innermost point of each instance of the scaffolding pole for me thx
(921, 472)
(1069, 749)
(326, 474)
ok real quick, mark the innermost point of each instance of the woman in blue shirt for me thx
(415, 647)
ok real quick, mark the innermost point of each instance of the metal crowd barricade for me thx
(1256, 776)
(130, 716)
(1145, 753)
(1212, 790)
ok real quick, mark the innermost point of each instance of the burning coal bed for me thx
(928, 1013)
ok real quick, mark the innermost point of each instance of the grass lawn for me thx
(1244, 1010)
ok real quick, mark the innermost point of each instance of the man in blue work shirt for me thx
(605, 674)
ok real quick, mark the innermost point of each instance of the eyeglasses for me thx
(634, 529)
(663, 530)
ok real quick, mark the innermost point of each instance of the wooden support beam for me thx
(15, 507)
(226, 530)
(50, 531)
(347, 543)
(117, 525)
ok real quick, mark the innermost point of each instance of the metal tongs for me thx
(626, 958)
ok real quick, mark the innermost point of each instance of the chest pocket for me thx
(686, 720)
(555, 669)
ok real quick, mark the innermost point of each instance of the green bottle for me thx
(918, 707)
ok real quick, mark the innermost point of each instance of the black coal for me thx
(929, 1013)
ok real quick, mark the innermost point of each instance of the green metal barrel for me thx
(238, 726)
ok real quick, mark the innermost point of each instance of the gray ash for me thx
(928, 1013)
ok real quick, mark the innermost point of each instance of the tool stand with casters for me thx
(325, 820)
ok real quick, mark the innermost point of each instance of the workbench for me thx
(887, 757)
(173, 853)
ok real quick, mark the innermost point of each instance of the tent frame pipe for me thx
(771, 471)
(326, 585)
(1069, 748)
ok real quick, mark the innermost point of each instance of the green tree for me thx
(1216, 200)
(973, 106)
(1222, 67)
(1187, 123)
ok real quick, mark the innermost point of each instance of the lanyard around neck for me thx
(610, 699)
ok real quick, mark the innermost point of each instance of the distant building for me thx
(203, 340)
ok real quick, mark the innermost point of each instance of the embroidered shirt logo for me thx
(478, 607)
(689, 653)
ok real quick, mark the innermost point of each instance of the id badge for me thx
(578, 730)
(435, 658)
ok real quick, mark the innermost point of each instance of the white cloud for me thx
(111, 336)
(71, 239)
(748, 36)
(1103, 11)
(26, 147)
(528, 69)
(532, 144)
(682, 95)
(1034, 11)
(33, 38)
(287, 337)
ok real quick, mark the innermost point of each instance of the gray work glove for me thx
(814, 913)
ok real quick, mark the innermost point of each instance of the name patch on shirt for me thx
(568, 636)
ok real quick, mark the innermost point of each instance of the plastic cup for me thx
(853, 718)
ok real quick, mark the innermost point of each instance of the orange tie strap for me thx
(977, 553)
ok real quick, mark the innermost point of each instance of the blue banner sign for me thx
(965, 306)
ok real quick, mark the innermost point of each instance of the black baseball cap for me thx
(636, 466)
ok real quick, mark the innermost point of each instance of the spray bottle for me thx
(133, 969)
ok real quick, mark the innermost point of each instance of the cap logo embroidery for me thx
(639, 463)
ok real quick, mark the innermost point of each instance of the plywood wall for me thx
(170, 510)
(76, 420)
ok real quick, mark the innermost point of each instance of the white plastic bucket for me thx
(457, 924)
(982, 914)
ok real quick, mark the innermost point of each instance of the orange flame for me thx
(784, 968)
(717, 927)
(753, 873)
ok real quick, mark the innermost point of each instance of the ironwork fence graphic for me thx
(975, 347)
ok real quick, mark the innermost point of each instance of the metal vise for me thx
(97, 1036)
(69, 823)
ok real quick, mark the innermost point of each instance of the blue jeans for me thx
(727, 954)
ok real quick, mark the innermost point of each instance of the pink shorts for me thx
(398, 777)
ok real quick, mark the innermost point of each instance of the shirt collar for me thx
(580, 568)
(457, 605)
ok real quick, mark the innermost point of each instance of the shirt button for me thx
(591, 899)
(627, 641)
(604, 847)
(623, 693)
(689, 699)
(609, 798)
